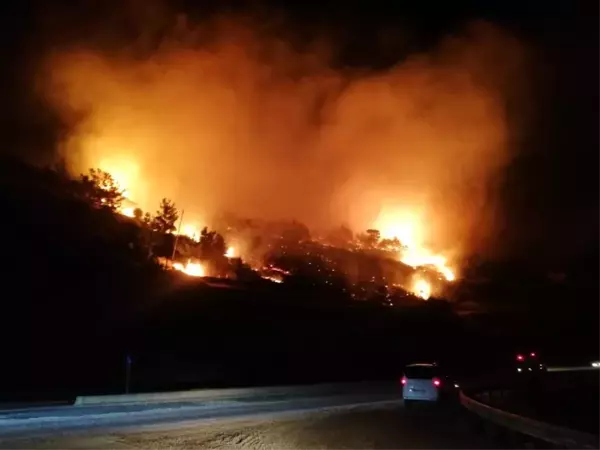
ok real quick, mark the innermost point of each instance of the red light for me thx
(436, 382)
(520, 357)
(532, 354)
(403, 380)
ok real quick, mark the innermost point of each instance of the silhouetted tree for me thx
(147, 220)
(369, 239)
(390, 244)
(100, 189)
(375, 235)
(340, 237)
(138, 214)
(243, 271)
(186, 247)
(211, 248)
(295, 232)
(211, 245)
(166, 217)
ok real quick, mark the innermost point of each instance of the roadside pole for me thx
(177, 236)
(127, 373)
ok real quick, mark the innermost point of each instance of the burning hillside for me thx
(243, 121)
(410, 231)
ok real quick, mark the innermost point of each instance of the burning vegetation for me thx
(362, 266)
(228, 117)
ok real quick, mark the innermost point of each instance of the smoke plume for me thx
(227, 116)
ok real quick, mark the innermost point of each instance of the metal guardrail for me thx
(556, 435)
(572, 369)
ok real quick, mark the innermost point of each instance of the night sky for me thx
(550, 189)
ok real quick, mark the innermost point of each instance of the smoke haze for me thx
(225, 116)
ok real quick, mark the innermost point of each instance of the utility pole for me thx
(127, 373)
(177, 236)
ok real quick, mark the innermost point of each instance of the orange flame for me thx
(125, 173)
(409, 229)
(127, 211)
(191, 231)
(421, 288)
(180, 121)
(190, 268)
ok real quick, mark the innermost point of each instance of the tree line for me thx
(99, 189)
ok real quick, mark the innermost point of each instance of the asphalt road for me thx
(68, 419)
(371, 418)
(354, 415)
(373, 426)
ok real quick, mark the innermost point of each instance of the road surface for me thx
(372, 418)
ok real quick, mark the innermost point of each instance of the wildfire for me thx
(190, 268)
(416, 257)
(273, 279)
(127, 208)
(421, 288)
(409, 230)
(125, 173)
(127, 211)
(191, 231)
(230, 253)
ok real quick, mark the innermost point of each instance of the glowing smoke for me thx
(242, 122)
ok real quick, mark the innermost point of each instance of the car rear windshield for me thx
(420, 372)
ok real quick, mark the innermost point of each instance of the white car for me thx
(422, 382)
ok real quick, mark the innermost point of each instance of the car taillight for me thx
(532, 354)
(403, 380)
(520, 358)
(437, 382)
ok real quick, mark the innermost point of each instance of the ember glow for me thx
(229, 117)
(274, 279)
(230, 253)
